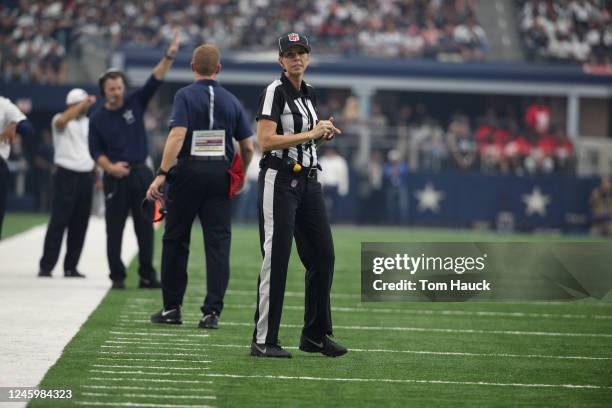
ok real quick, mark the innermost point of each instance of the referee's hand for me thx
(154, 193)
(326, 129)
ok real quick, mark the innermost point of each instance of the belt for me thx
(288, 167)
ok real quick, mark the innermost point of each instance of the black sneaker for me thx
(209, 321)
(327, 346)
(149, 283)
(172, 316)
(44, 274)
(118, 285)
(73, 274)
(268, 350)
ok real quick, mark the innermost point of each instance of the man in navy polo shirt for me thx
(206, 119)
(118, 143)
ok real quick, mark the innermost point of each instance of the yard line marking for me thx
(440, 330)
(154, 380)
(137, 388)
(409, 381)
(149, 367)
(129, 353)
(189, 341)
(146, 347)
(94, 370)
(150, 342)
(157, 334)
(252, 293)
(441, 353)
(135, 404)
(426, 312)
(155, 360)
(106, 394)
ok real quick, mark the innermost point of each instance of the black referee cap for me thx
(291, 39)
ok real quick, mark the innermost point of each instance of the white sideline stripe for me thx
(25, 358)
(439, 330)
(127, 353)
(136, 388)
(148, 367)
(427, 312)
(95, 370)
(157, 334)
(155, 360)
(154, 380)
(136, 404)
(106, 394)
(146, 348)
(410, 381)
(441, 353)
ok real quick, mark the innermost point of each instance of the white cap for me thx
(75, 96)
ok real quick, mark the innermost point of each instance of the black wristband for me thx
(168, 57)
(161, 172)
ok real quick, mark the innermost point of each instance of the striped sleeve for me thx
(271, 103)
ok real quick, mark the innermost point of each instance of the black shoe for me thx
(44, 274)
(149, 283)
(172, 316)
(73, 274)
(327, 346)
(209, 321)
(268, 350)
(118, 285)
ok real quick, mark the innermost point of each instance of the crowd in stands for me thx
(567, 30)
(34, 39)
(493, 144)
(36, 35)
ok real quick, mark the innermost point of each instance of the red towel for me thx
(236, 173)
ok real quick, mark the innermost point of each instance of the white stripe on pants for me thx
(266, 267)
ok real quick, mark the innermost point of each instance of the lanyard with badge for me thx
(209, 144)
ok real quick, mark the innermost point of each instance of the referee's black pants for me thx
(292, 206)
(197, 188)
(4, 183)
(70, 209)
(123, 196)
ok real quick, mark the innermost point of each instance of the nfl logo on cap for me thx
(294, 37)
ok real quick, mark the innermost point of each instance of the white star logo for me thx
(536, 202)
(429, 198)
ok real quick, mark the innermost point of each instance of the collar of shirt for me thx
(207, 82)
(304, 90)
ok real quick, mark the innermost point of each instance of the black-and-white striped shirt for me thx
(294, 112)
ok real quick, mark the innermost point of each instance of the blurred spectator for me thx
(335, 180)
(563, 153)
(396, 189)
(601, 208)
(537, 116)
(516, 150)
(461, 143)
(371, 201)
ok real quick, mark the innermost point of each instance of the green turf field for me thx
(401, 354)
(15, 223)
